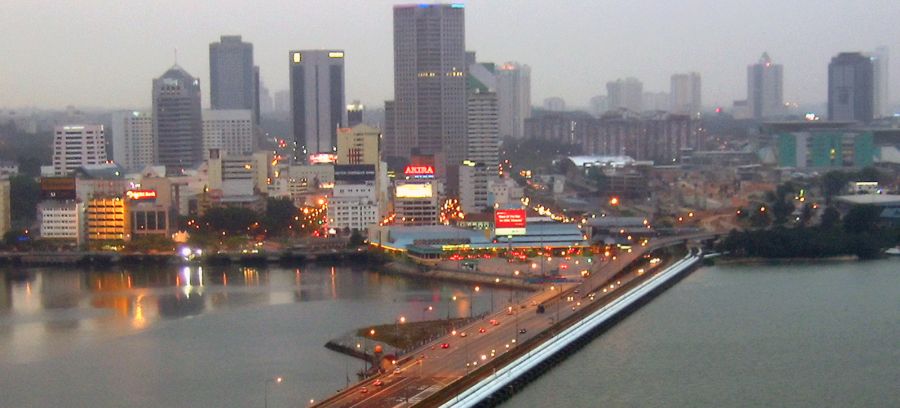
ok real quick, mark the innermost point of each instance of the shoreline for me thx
(783, 261)
(399, 267)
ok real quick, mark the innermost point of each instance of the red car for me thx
(482, 330)
(445, 345)
(378, 383)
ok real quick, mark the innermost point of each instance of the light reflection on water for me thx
(141, 334)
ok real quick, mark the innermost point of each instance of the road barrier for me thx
(499, 383)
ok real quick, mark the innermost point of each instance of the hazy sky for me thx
(92, 53)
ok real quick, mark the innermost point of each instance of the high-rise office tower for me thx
(355, 113)
(684, 92)
(626, 93)
(513, 98)
(132, 140)
(765, 88)
(483, 150)
(882, 91)
(233, 80)
(429, 83)
(77, 145)
(318, 107)
(177, 120)
(851, 88)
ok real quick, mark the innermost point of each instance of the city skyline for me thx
(720, 50)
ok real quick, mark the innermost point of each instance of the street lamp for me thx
(276, 380)
(472, 300)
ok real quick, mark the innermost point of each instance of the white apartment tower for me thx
(513, 98)
(230, 130)
(132, 140)
(77, 145)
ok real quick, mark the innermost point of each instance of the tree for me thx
(862, 218)
(760, 216)
(806, 214)
(830, 218)
(868, 174)
(280, 213)
(356, 238)
(833, 182)
(25, 192)
(234, 220)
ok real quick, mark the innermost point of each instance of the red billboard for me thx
(419, 171)
(509, 222)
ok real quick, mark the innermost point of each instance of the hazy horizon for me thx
(105, 54)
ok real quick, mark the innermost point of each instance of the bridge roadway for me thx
(431, 368)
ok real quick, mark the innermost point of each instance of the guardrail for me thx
(522, 365)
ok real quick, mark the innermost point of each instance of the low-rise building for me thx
(61, 220)
(107, 221)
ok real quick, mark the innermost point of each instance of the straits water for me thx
(824, 334)
(791, 335)
(198, 337)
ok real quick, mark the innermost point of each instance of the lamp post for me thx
(472, 300)
(448, 305)
(496, 282)
(276, 380)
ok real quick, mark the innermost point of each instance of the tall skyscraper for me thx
(318, 107)
(177, 120)
(482, 152)
(685, 93)
(626, 93)
(765, 88)
(851, 88)
(429, 84)
(132, 140)
(513, 98)
(77, 145)
(233, 80)
(355, 113)
(882, 89)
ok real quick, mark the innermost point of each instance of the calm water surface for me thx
(809, 335)
(196, 337)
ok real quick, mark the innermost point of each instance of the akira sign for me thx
(509, 222)
(419, 171)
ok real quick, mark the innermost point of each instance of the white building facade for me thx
(132, 140)
(77, 145)
(62, 220)
(230, 130)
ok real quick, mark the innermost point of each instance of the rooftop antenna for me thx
(176, 55)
